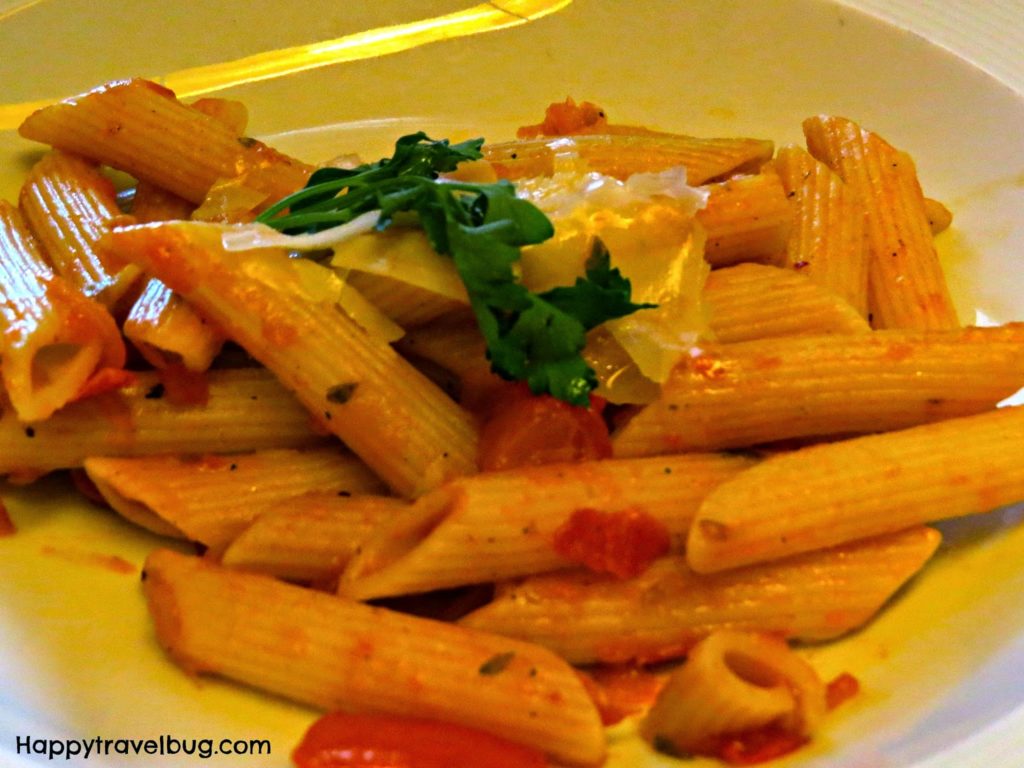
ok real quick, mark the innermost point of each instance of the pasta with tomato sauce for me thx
(551, 416)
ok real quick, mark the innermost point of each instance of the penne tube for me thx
(827, 241)
(499, 525)
(828, 494)
(756, 301)
(52, 339)
(622, 155)
(163, 141)
(285, 313)
(167, 331)
(247, 410)
(588, 618)
(747, 218)
(337, 654)
(407, 305)
(753, 392)
(229, 112)
(310, 537)
(70, 205)
(734, 683)
(211, 499)
(456, 346)
(907, 288)
(150, 203)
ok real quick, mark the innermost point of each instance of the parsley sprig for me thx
(532, 337)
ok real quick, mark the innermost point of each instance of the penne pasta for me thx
(455, 345)
(827, 241)
(285, 314)
(735, 683)
(70, 205)
(827, 494)
(211, 499)
(906, 286)
(52, 339)
(585, 396)
(234, 114)
(246, 410)
(735, 395)
(622, 155)
(756, 301)
(160, 140)
(311, 537)
(407, 305)
(339, 654)
(588, 618)
(167, 331)
(499, 525)
(747, 218)
(150, 203)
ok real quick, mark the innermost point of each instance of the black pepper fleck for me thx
(342, 393)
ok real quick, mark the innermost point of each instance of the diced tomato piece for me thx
(527, 429)
(621, 543)
(184, 387)
(621, 691)
(566, 118)
(104, 380)
(842, 689)
(339, 740)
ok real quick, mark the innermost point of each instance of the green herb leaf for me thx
(497, 663)
(530, 337)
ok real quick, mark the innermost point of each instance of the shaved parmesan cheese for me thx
(249, 236)
(647, 222)
(315, 284)
(402, 253)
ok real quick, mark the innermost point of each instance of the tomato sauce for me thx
(6, 524)
(105, 380)
(841, 690)
(339, 740)
(758, 746)
(184, 387)
(526, 430)
(621, 543)
(566, 118)
(621, 691)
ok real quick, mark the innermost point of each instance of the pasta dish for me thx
(485, 447)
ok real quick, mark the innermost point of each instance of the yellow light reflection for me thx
(486, 17)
